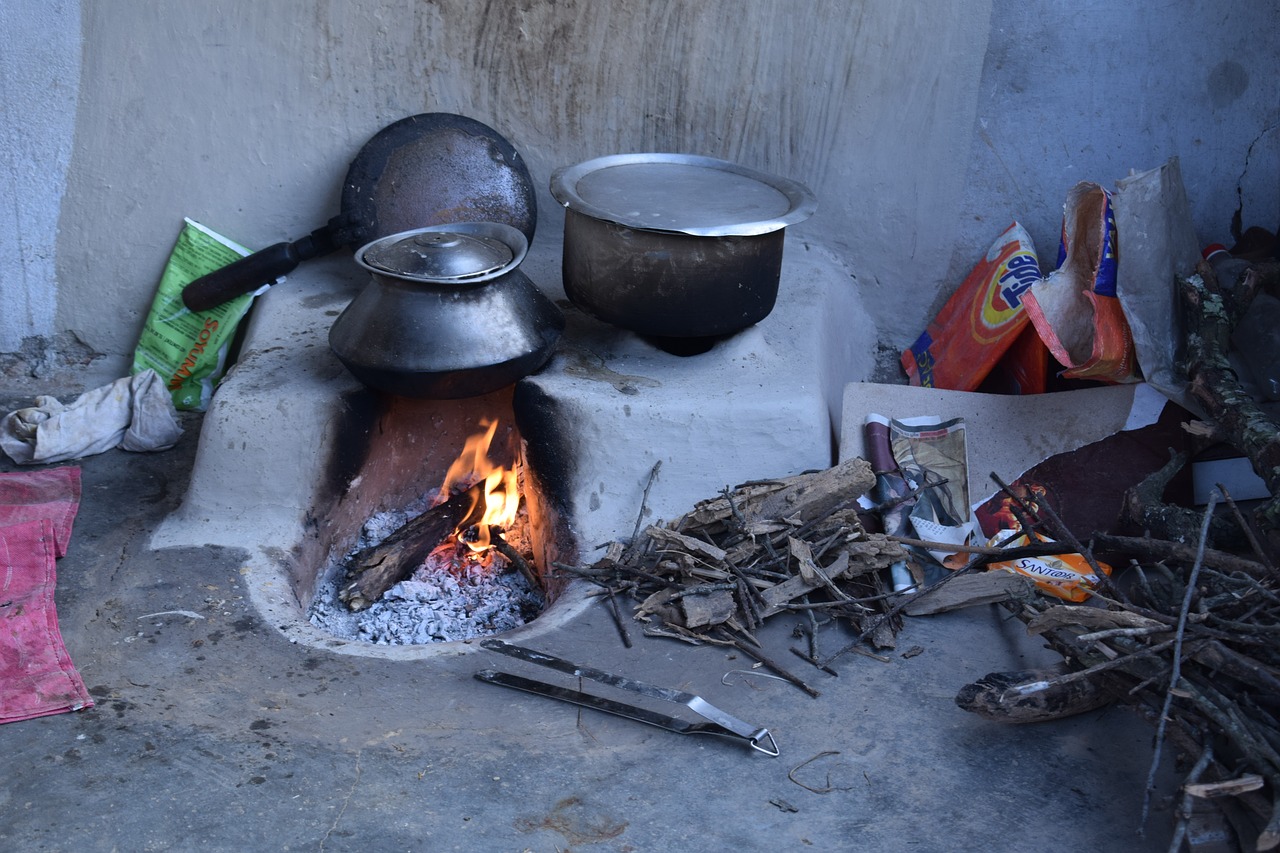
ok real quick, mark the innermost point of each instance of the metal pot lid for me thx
(682, 193)
(440, 256)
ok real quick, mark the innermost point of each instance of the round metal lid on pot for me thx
(682, 193)
(440, 255)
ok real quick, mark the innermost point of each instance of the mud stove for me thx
(295, 454)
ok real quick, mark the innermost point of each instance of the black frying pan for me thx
(427, 169)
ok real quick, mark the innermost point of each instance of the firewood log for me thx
(757, 506)
(377, 568)
(995, 696)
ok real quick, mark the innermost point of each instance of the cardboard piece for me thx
(1005, 434)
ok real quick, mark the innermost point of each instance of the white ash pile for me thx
(453, 596)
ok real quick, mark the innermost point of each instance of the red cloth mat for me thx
(52, 493)
(37, 676)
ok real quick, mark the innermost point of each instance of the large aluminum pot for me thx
(447, 313)
(675, 245)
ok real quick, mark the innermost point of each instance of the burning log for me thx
(378, 568)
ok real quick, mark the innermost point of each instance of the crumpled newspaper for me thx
(133, 413)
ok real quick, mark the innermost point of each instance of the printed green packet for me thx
(189, 349)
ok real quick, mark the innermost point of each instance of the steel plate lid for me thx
(682, 193)
(440, 255)
(456, 253)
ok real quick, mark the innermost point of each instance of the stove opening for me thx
(436, 528)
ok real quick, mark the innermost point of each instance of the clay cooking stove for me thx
(296, 455)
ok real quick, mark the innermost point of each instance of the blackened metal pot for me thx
(447, 313)
(674, 245)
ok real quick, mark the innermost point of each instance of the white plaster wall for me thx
(39, 81)
(921, 126)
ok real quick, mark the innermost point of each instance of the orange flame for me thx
(501, 490)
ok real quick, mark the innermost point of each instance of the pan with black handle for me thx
(427, 169)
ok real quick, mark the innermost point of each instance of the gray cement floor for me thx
(217, 733)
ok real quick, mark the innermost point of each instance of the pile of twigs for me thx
(793, 545)
(1192, 641)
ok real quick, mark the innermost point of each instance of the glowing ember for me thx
(498, 504)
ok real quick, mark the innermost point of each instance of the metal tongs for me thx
(719, 723)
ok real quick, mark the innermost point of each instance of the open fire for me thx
(495, 505)
(448, 568)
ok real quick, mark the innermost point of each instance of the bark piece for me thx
(670, 538)
(794, 587)
(1089, 618)
(969, 590)
(758, 507)
(809, 496)
(712, 608)
(1227, 788)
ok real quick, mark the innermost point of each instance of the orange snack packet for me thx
(1067, 576)
(980, 321)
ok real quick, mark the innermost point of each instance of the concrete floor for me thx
(239, 730)
(218, 733)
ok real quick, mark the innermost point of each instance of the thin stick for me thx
(1081, 674)
(807, 659)
(1248, 531)
(773, 665)
(644, 500)
(617, 618)
(1175, 672)
(1061, 532)
(1121, 632)
(1185, 808)
(1037, 550)
(733, 509)
(1164, 549)
(513, 556)
(747, 604)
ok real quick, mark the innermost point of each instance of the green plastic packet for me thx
(187, 348)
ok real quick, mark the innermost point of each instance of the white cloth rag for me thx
(132, 413)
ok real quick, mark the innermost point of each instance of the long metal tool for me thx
(718, 722)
